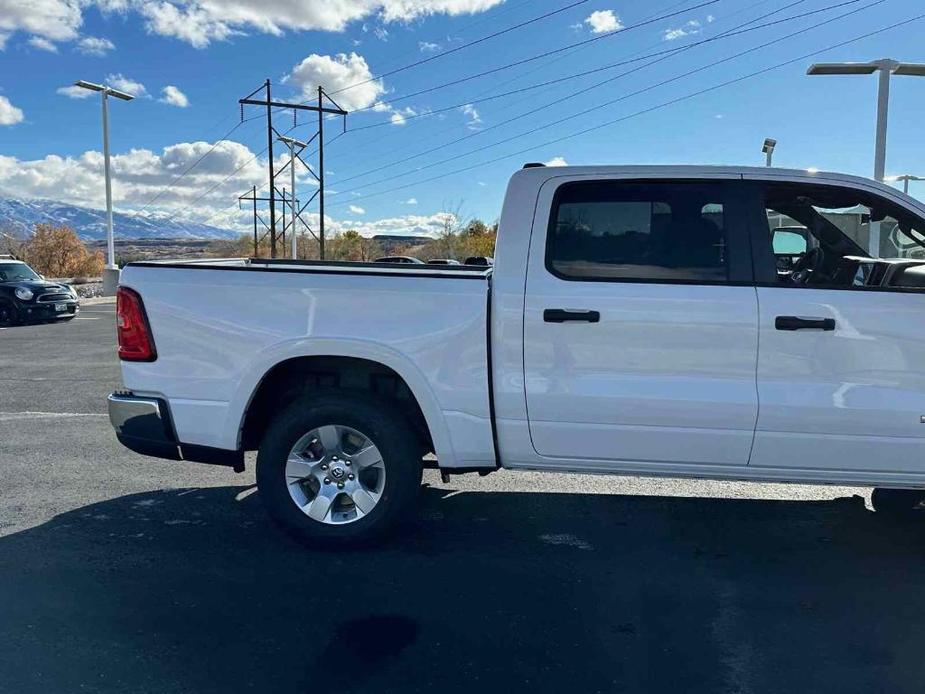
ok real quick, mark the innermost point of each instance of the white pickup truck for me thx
(637, 321)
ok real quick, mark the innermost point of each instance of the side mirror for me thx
(787, 242)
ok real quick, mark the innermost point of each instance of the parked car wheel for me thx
(339, 469)
(8, 314)
(899, 503)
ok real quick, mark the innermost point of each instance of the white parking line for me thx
(10, 416)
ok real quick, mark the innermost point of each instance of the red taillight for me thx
(135, 341)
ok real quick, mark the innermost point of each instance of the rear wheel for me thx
(339, 469)
(899, 503)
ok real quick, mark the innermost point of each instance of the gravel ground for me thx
(120, 573)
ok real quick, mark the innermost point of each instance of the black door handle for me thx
(564, 315)
(797, 323)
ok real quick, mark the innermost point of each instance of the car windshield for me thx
(16, 272)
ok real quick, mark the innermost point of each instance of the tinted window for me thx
(838, 225)
(652, 231)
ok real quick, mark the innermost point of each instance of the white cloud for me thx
(602, 21)
(74, 92)
(9, 114)
(191, 23)
(412, 224)
(335, 73)
(428, 47)
(411, 201)
(138, 175)
(689, 28)
(43, 44)
(126, 84)
(556, 161)
(475, 119)
(93, 45)
(55, 20)
(174, 97)
(200, 22)
(399, 114)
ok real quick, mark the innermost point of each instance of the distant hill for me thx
(21, 216)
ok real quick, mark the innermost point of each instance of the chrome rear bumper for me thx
(144, 425)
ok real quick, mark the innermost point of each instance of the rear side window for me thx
(663, 230)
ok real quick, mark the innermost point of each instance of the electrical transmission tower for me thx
(276, 232)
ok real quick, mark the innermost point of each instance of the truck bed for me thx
(220, 326)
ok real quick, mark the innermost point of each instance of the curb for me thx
(96, 300)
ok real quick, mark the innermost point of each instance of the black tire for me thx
(899, 503)
(382, 425)
(9, 316)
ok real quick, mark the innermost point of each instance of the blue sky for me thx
(209, 58)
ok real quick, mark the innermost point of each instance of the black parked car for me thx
(26, 297)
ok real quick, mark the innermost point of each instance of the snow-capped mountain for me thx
(20, 217)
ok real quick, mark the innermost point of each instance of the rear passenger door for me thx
(640, 324)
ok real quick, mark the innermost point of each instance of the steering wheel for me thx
(807, 266)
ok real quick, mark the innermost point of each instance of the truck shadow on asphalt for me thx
(193, 590)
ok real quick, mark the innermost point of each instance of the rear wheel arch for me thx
(297, 377)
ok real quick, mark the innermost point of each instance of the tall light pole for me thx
(887, 68)
(905, 178)
(111, 273)
(768, 149)
(292, 143)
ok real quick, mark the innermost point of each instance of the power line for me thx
(192, 166)
(464, 46)
(507, 66)
(608, 103)
(668, 51)
(488, 17)
(561, 56)
(233, 173)
(229, 176)
(651, 109)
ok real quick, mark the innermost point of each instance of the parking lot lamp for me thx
(292, 144)
(768, 149)
(905, 178)
(887, 68)
(111, 273)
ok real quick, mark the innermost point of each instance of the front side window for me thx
(828, 236)
(654, 231)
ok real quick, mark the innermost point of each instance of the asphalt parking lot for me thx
(120, 573)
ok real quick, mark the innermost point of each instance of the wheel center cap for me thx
(337, 472)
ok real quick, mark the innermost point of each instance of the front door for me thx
(841, 363)
(640, 323)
